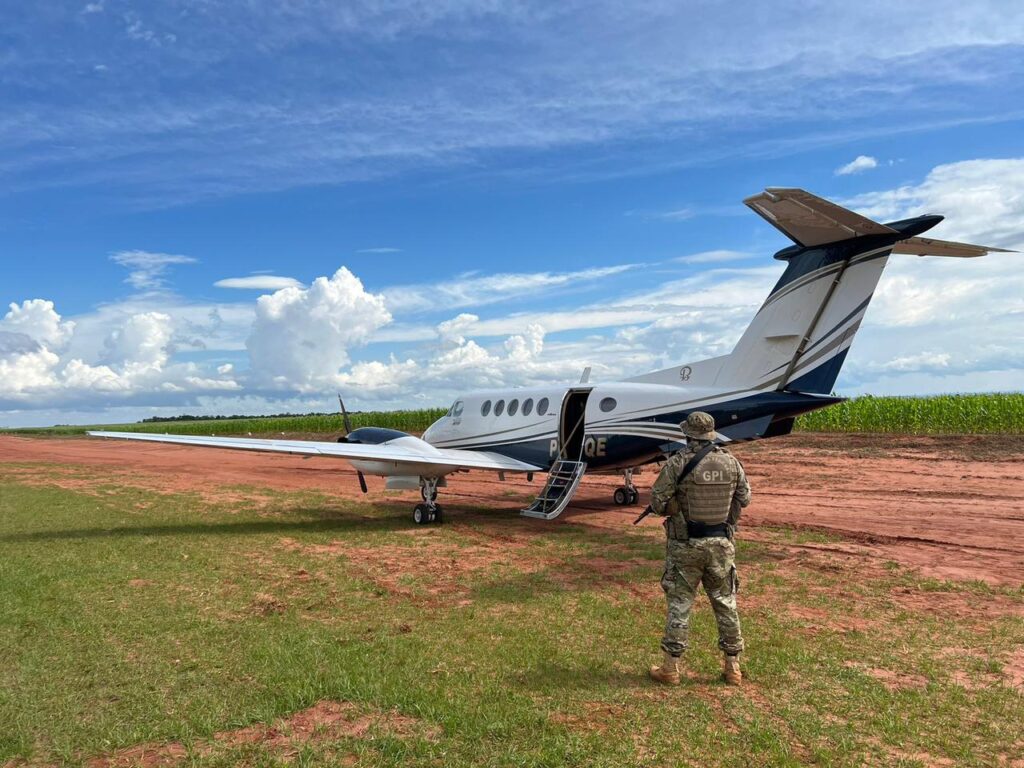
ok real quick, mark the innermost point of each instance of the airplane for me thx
(785, 364)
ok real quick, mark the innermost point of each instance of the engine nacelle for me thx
(401, 471)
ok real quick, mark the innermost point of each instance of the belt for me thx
(697, 530)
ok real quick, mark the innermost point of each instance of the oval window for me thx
(608, 404)
(499, 407)
(542, 406)
(485, 408)
(527, 406)
(513, 406)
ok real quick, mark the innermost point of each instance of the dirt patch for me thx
(894, 681)
(590, 717)
(951, 507)
(815, 620)
(1013, 670)
(267, 605)
(324, 722)
(959, 605)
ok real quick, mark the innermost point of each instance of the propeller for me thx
(344, 415)
(348, 428)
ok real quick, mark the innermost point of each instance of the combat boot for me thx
(668, 672)
(731, 670)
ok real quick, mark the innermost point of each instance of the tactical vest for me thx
(709, 488)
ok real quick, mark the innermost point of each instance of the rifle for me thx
(690, 466)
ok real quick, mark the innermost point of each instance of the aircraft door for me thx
(572, 424)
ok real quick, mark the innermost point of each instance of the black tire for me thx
(438, 515)
(634, 497)
(420, 514)
(621, 496)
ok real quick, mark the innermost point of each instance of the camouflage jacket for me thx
(668, 495)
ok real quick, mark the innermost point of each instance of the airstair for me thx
(558, 491)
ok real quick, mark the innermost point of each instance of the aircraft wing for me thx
(410, 451)
(927, 246)
(809, 220)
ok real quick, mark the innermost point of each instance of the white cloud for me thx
(147, 268)
(679, 214)
(859, 164)
(259, 282)
(712, 257)
(480, 290)
(37, 319)
(301, 336)
(967, 313)
(379, 250)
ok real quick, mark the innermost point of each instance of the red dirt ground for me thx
(952, 507)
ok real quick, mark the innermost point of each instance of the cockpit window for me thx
(458, 408)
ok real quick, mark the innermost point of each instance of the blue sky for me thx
(514, 191)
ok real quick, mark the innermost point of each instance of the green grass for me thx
(942, 414)
(130, 617)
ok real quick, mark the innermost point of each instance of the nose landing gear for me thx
(626, 494)
(429, 511)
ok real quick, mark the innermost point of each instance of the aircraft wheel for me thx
(421, 514)
(621, 496)
(437, 516)
(634, 496)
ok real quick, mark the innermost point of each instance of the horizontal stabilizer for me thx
(927, 246)
(809, 220)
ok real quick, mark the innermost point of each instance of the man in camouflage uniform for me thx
(702, 514)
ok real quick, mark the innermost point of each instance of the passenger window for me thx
(608, 404)
(542, 406)
(513, 406)
(485, 408)
(499, 407)
(527, 406)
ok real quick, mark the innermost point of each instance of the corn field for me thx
(325, 424)
(942, 414)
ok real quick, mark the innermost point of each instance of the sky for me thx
(216, 208)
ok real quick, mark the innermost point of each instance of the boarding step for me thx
(558, 490)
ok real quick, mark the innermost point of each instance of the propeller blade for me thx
(362, 481)
(346, 421)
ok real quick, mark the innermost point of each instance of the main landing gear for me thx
(429, 511)
(626, 494)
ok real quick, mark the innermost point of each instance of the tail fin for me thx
(799, 338)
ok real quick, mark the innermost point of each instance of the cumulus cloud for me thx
(301, 337)
(259, 282)
(859, 164)
(966, 312)
(37, 319)
(148, 268)
(37, 367)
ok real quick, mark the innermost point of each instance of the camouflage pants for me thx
(688, 564)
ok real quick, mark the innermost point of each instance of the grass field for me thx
(944, 414)
(214, 635)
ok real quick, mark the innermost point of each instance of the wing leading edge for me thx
(415, 454)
